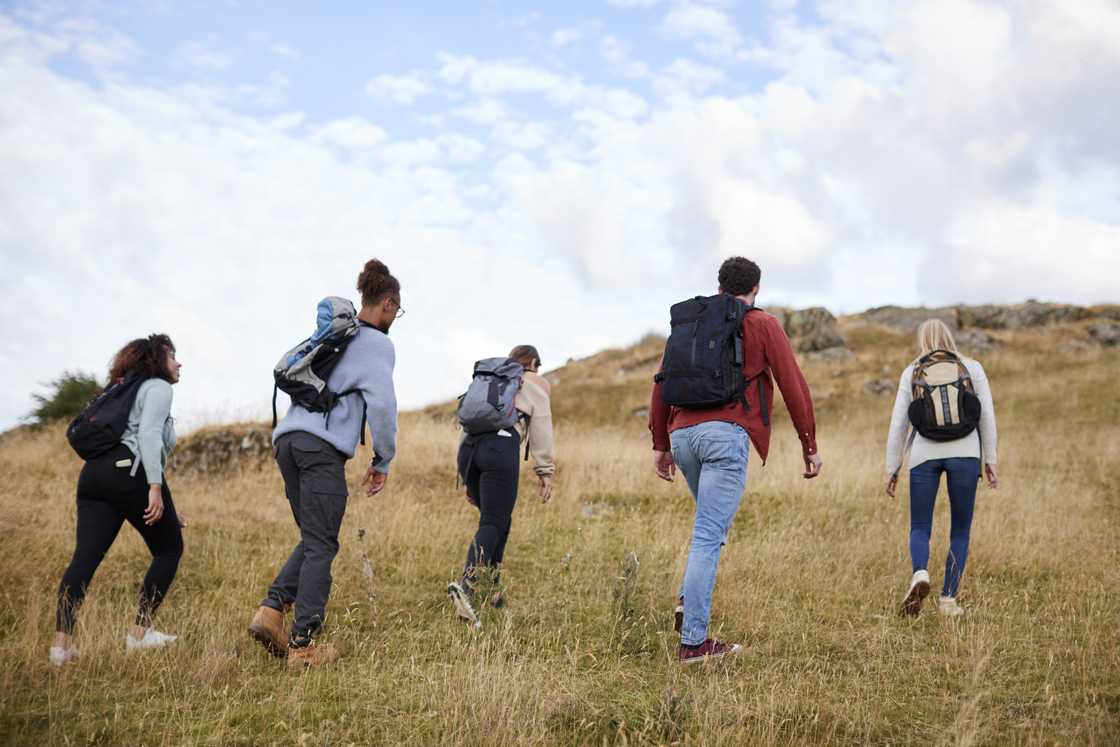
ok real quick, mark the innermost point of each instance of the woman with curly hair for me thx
(127, 484)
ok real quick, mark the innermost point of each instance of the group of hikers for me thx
(711, 399)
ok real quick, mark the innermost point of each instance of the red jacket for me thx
(766, 349)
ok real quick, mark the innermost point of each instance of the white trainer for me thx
(152, 639)
(463, 607)
(916, 594)
(60, 655)
(948, 606)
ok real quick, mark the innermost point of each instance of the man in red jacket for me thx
(710, 448)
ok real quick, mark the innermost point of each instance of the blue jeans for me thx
(962, 476)
(712, 457)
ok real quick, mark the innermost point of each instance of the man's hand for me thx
(813, 466)
(992, 476)
(182, 520)
(664, 465)
(374, 481)
(892, 484)
(544, 490)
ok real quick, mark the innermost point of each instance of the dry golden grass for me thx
(584, 652)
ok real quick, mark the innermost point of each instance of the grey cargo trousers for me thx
(315, 483)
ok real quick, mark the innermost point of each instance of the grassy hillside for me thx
(584, 652)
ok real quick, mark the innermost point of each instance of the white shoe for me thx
(919, 589)
(463, 606)
(152, 639)
(948, 606)
(60, 655)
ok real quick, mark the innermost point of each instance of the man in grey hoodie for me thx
(312, 460)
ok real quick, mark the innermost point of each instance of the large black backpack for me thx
(98, 428)
(703, 363)
(943, 405)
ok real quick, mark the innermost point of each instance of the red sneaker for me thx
(709, 649)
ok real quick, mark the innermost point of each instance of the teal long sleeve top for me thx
(150, 433)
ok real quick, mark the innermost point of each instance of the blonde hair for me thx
(934, 334)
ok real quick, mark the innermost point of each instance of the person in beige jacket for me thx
(489, 464)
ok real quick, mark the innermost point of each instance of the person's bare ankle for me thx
(63, 640)
(137, 631)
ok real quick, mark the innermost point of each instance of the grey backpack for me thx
(488, 404)
(302, 371)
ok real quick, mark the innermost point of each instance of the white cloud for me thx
(400, 89)
(561, 38)
(288, 120)
(96, 45)
(483, 112)
(494, 79)
(355, 133)
(687, 78)
(711, 29)
(280, 49)
(618, 57)
(203, 54)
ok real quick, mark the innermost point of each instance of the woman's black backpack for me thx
(703, 363)
(98, 428)
(944, 406)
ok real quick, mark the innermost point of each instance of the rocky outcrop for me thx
(988, 316)
(1029, 314)
(813, 330)
(1106, 334)
(908, 319)
(976, 341)
(218, 450)
(880, 387)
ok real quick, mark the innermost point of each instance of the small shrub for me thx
(68, 395)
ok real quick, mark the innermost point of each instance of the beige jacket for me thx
(534, 401)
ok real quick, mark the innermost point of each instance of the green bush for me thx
(68, 394)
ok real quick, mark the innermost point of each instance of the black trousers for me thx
(314, 475)
(488, 465)
(107, 497)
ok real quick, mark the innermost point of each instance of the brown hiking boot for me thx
(268, 628)
(312, 655)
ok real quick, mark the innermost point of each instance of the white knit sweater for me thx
(924, 449)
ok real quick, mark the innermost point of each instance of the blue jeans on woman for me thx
(712, 456)
(962, 475)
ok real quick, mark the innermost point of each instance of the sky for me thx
(554, 174)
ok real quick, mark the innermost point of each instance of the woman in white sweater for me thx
(958, 459)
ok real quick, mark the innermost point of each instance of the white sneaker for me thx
(152, 639)
(60, 655)
(463, 606)
(948, 606)
(919, 589)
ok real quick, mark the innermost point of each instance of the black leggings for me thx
(107, 497)
(489, 466)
